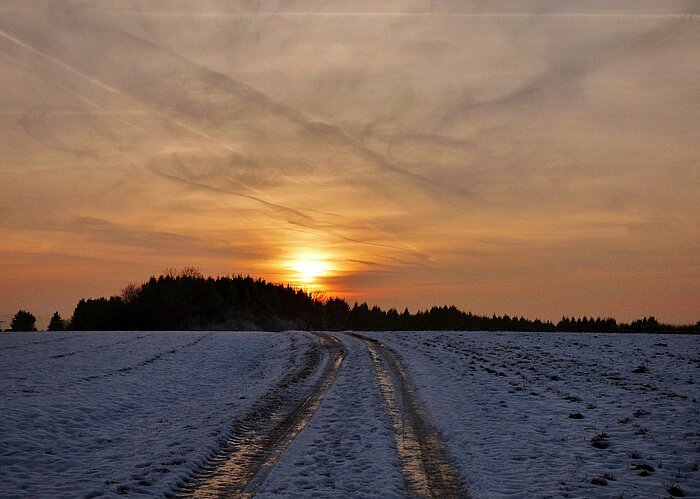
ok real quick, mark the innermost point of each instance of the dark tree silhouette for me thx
(23, 321)
(647, 324)
(188, 300)
(56, 323)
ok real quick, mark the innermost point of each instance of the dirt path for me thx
(427, 469)
(256, 443)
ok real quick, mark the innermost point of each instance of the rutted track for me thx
(108, 345)
(426, 466)
(146, 362)
(256, 442)
(41, 342)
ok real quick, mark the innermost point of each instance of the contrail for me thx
(504, 15)
(61, 64)
(107, 88)
(293, 216)
(99, 109)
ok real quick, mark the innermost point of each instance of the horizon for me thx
(515, 158)
(313, 292)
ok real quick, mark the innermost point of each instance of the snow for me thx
(85, 414)
(88, 414)
(348, 449)
(503, 402)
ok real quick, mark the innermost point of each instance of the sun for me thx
(308, 268)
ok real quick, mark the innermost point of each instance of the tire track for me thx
(64, 383)
(40, 342)
(426, 466)
(146, 362)
(257, 442)
(108, 345)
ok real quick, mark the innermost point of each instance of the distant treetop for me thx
(23, 321)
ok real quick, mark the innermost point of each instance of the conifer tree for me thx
(56, 323)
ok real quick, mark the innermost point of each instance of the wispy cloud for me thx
(423, 145)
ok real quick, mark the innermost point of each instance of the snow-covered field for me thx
(507, 405)
(523, 415)
(85, 414)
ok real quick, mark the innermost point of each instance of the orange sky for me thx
(496, 155)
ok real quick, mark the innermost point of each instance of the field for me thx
(515, 415)
(563, 415)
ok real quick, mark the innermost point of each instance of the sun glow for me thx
(308, 269)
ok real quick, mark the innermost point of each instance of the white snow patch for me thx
(505, 403)
(86, 414)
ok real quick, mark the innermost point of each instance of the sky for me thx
(531, 157)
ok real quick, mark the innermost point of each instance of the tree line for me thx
(186, 300)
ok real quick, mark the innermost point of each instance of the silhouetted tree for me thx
(56, 323)
(130, 293)
(337, 313)
(647, 324)
(23, 321)
(185, 299)
(101, 315)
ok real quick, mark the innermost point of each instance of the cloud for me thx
(423, 144)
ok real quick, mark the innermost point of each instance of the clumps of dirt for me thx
(640, 369)
(600, 440)
(643, 468)
(602, 480)
(575, 415)
(675, 491)
(641, 431)
(599, 480)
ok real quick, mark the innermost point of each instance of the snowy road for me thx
(229, 414)
(426, 466)
(257, 441)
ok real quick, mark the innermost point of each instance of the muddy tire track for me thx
(256, 443)
(427, 469)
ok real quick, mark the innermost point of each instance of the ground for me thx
(519, 415)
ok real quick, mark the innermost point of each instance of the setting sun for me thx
(308, 268)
